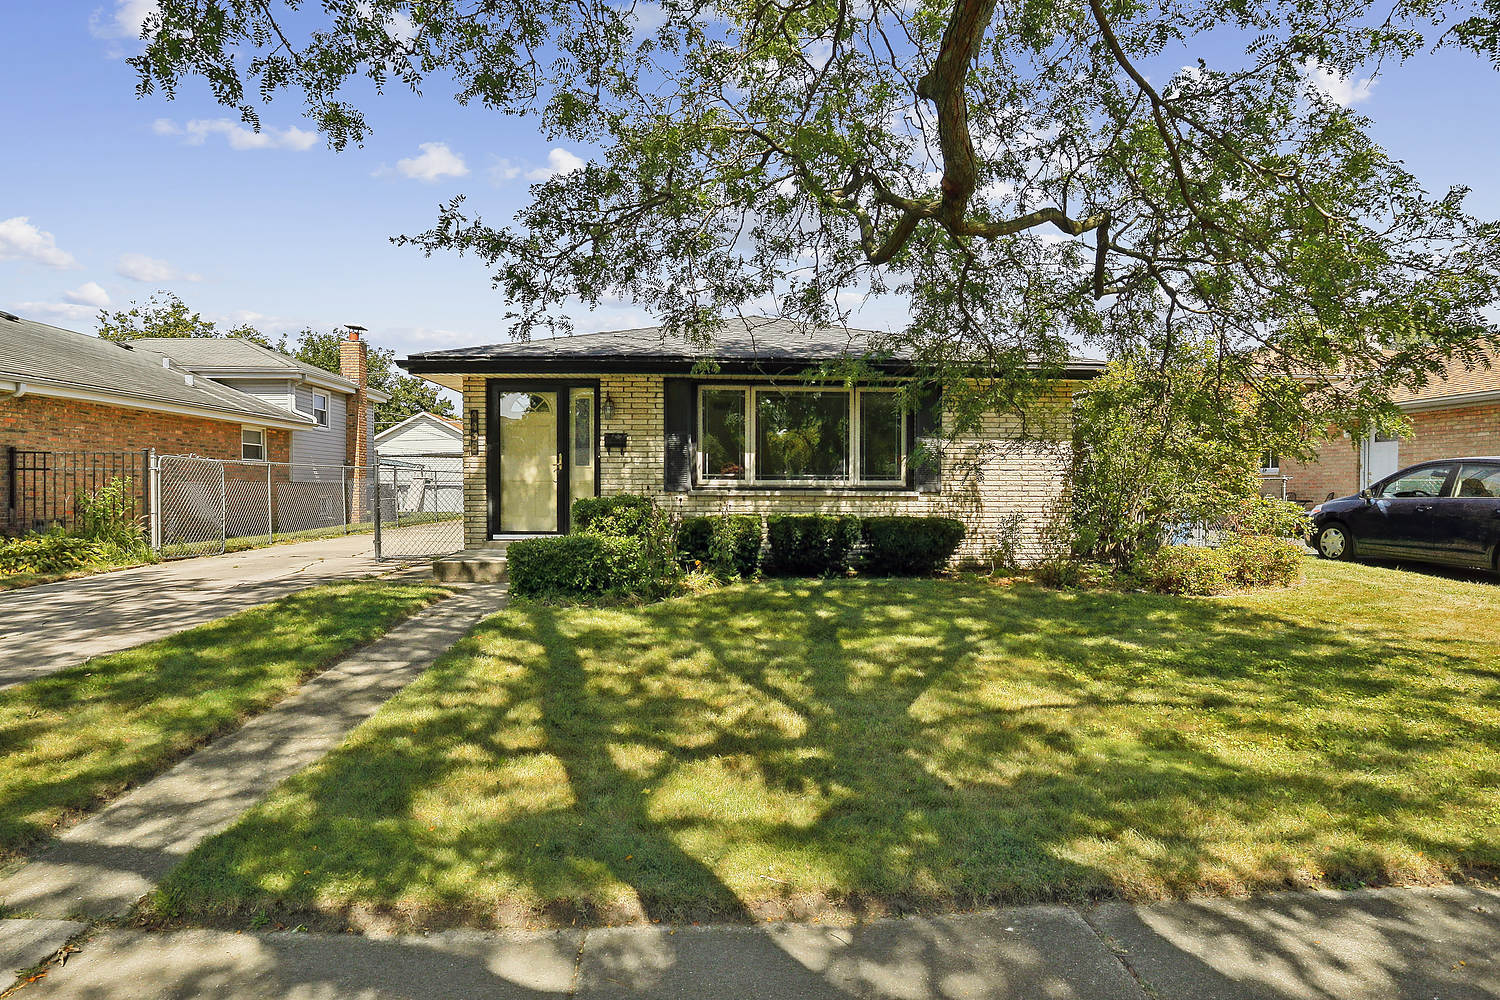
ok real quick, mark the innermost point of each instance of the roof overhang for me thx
(337, 383)
(1450, 402)
(449, 371)
(31, 387)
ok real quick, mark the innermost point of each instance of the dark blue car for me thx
(1441, 512)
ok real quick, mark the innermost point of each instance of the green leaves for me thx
(1008, 168)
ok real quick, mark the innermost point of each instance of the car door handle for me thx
(1423, 508)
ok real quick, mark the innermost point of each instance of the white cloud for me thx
(435, 162)
(90, 293)
(139, 267)
(197, 131)
(57, 312)
(503, 170)
(20, 240)
(124, 21)
(559, 161)
(1342, 90)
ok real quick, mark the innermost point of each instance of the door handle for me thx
(1424, 508)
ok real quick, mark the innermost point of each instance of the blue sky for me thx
(105, 198)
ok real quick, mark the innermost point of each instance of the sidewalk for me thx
(100, 867)
(55, 625)
(1370, 945)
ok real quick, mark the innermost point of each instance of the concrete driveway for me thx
(47, 628)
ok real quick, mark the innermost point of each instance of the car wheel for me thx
(1334, 542)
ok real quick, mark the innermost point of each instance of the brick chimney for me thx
(354, 365)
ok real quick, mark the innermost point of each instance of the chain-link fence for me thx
(205, 506)
(420, 505)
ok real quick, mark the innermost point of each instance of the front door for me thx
(1382, 458)
(542, 455)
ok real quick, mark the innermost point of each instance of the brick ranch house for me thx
(1455, 415)
(550, 421)
(68, 392)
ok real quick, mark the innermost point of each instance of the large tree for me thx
(166, 315)
(1027, 174)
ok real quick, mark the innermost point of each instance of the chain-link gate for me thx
(419, 506)
(191, 508)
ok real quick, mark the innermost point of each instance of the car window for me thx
(1477, 481)
(1424, 482)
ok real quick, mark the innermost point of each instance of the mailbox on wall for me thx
(615, 441)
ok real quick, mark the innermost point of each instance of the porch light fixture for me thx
(607, 408)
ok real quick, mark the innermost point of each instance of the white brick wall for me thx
(986, 480)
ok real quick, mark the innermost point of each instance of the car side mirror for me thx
(1367, 496)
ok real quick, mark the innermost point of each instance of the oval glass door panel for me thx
(528, 461)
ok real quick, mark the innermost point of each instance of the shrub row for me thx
(59, 552)
(623, 545)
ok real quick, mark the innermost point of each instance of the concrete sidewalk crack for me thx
(1119, 953)
(577, 979)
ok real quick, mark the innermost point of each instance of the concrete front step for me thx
(471, 566)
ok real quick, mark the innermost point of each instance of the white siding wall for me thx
(277, 392)
(423, 438)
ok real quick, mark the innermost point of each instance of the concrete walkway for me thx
(1378, 945)
(100, 867)
(47, 628)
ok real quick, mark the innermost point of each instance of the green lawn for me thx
(781, 748)
(74, 739)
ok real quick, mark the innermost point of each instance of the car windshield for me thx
(1424, 482)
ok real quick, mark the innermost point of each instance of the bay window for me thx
(800, 436)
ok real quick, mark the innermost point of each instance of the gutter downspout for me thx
(12, 390)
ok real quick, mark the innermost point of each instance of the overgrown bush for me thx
(726, 545)
(910, 546)
(585, 565)
(108, 515)
(1186, 569)
(810, 544)
(1263, 560)
(623, 515)
(1273, 516)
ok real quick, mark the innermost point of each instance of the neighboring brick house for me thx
(1456, 415)
(62, 391)
(549, 421)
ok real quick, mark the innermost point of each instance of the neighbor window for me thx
(252, 444)
(779, 436)
(1270, 463)
(320, 409)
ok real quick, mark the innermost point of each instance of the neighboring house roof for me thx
(46, 360)
(237, 357)
(752, 345)
(1457, 386)
(444, 425)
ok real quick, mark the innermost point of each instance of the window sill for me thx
(790, 490)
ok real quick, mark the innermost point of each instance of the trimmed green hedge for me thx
(727, 546)
(623, 515)
(575, 566)
(810, 544)
(910, 546)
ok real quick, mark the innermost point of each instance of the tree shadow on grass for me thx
(877, 747)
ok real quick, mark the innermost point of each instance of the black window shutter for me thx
(677, 420)
(927, 431)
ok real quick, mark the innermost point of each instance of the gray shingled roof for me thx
(231, 353)
(39, 354)
(755, 341)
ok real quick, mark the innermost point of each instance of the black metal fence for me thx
(41, 488)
